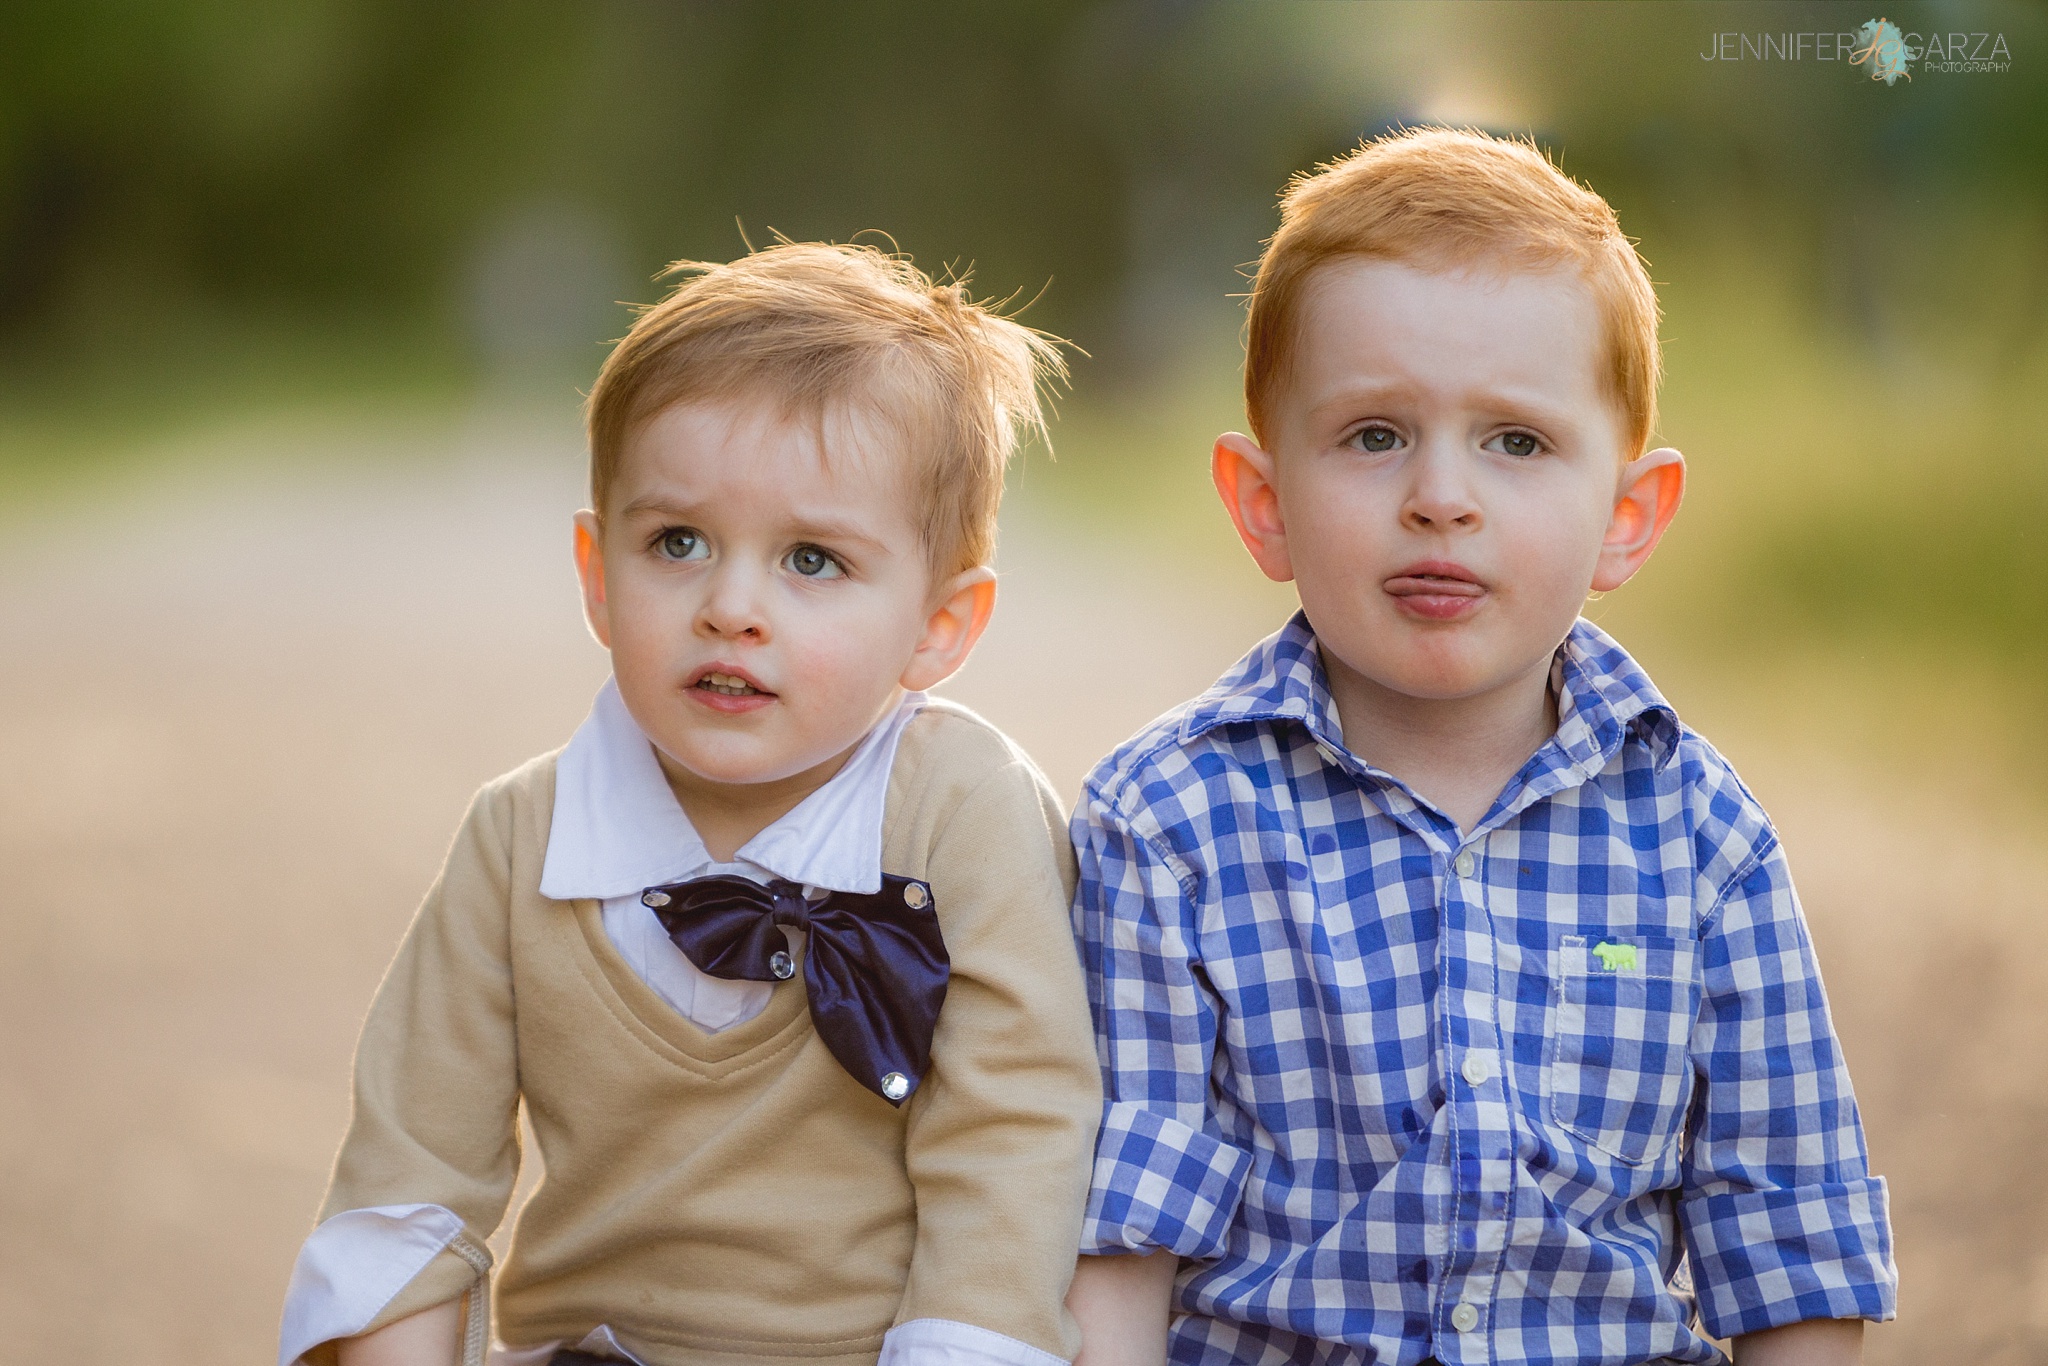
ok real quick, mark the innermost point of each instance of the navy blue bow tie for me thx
(875, 966)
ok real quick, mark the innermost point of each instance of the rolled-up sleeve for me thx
(1783, 1220)
(1163, 1177)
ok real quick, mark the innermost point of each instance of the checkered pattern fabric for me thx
(1397, 1091)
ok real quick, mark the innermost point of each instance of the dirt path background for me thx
(242, 708)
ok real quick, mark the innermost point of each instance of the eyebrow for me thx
(1538, 404)
(649, 502)
(825, 529)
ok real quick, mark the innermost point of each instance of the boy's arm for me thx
(1784, 1224)
(1123, 1305)
(432, 1150)
(428, 1338)
(999, 1133)
(1164, 1176)
(1816, 1342)
(1166, 1185)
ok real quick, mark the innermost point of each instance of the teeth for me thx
(727, 684)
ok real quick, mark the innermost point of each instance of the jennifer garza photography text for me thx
(1941, 53)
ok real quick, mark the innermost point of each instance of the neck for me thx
(1458, 752)
(727, 815)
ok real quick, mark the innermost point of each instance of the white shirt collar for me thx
(618, 828)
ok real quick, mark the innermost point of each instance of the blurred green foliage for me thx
(212, 204)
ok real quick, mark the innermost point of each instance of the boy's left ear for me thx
(1652, 486)
(966, 602)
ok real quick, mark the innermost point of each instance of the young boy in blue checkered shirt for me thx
(1453, 1000)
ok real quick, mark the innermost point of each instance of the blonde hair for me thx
(813, 326)
(1452, 198)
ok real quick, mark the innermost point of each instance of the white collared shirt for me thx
(617, 829)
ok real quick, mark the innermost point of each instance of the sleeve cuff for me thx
(1767, 1258)
(945, 1342)
(1161, 1184)
(355, 1264)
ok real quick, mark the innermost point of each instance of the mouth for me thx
(726, 687)
(1438, 590)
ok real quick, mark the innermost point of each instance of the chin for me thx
(1436, 686)
(1440, 676)
(724, 766)
(1434, 673)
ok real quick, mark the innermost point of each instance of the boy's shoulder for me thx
(513, 811)
(531, 783)
(1650, 750)
(1216, 733)
(960, 785)
(948, 751)
(1731, 831)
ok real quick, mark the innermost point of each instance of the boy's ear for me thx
(590, 572)
(965, 603)
(1652, 485)
(1243, 472)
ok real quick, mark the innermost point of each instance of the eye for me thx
(680, 543)
(809, 562)
(1375, 437)
(1518, 444)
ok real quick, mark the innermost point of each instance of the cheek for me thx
(1559, 548)
(1331, 523)
(851, 640)
(638, 651)
(648, 614)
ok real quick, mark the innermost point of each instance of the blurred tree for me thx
(343, 163)
(342, 159)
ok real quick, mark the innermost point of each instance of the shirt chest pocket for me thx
(1620, 1073)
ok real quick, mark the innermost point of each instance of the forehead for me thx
(749, 456)
(1515, 334)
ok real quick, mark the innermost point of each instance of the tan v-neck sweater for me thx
(736, 1197)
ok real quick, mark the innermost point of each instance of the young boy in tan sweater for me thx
(774, 951)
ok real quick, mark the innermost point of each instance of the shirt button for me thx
(1465, 1318)
(1477, 1068)
(1464, 863)
(781, 964)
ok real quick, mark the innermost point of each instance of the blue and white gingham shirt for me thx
(1397, 1091)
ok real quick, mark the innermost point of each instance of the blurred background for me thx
(296, 303)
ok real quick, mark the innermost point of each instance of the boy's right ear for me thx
(590, 572)
(1243, 472)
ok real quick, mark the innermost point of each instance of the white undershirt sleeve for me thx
(945, 1342)
(351, 1267)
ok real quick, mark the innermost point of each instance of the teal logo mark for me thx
(1881, 47)
(1616, 957)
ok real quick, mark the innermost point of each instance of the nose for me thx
(732, 606)
(1440, 496)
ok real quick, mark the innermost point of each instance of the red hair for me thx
(1452, 198)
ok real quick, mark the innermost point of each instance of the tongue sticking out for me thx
(1440, 599)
